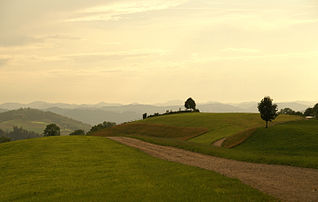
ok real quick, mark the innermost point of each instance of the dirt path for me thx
(283, 182)
(219, 143)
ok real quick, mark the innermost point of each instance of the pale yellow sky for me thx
(151, 51)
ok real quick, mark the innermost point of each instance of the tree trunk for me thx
(266, 124)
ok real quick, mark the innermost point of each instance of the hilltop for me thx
(36, 120)
(206, 127)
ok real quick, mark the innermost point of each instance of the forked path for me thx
(284, 182)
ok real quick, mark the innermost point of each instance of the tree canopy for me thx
(100, 126)
(190, 104)
(52, 130)
(267, 109)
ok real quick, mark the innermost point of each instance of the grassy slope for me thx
(219, 125)
(155, 130)
(97, 169)
(36, 120)
(251, 154)
(295, 141)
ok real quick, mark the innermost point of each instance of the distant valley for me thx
(114, 112)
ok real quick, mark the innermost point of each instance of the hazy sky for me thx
(150, 51)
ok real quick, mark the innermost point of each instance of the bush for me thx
(4, 139)
(78, 132)
(100, 126)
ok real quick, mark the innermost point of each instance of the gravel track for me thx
(283, 182)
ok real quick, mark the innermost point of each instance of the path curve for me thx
(284, 182)
(219, 142)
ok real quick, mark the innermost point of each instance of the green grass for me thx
(237, 154)
(219, 125)
(244, 126)
(89, 168)
(155, 130)
(294, 140)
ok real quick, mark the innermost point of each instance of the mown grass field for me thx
(155, 130)
(86, 168)
(218, 125)
(294, 140)
(291, 142)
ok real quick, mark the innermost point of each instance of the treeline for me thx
(189, 104)
(54, 130)
(312, 111)
(17, 133)
(309, 112)
(101, 126)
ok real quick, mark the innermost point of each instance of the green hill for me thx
(216, 125)
(282, 143)
(36, 121)
(86, 168)
(294, 141)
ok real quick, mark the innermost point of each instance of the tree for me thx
(52, 130)
(267, 109)
(101, 126)
(309, 112)
(190, 104)
(315, 111)
(289, 111)
(78, 132)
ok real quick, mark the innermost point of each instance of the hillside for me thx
(36, 120)
(290, 146)
(296, 141)
(218, 125)
(97, 169)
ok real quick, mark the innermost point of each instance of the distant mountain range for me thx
(97, 113)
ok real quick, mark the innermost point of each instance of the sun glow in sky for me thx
(151, 51)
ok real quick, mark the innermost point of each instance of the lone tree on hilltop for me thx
(190, 104)
(267, 109)
(52, 130)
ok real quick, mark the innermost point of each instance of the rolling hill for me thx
(291, 140)
(216, 125)
(296, 141)
(97, 113)
(36, 121)
(85, 168)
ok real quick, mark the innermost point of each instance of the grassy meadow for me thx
(218, 125)
(86, 168)
(290, 140)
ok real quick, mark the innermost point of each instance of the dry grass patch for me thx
(155, 130)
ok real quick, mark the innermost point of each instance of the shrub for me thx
(78, 132)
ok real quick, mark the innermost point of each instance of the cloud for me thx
(241, 50)
(116, 55)
(21, 40)
(18, 40)
(117, 10)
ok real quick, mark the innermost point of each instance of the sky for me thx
(152, 51)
